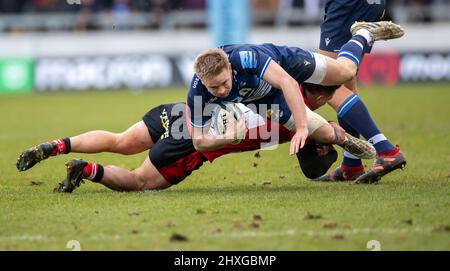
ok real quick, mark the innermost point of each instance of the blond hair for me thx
(210, 63)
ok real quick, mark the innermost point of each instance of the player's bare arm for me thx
(277, 77)
(204, 141)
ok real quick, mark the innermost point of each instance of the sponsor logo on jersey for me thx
(165, 123)
(248, 60)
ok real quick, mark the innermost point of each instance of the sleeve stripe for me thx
(265, 67)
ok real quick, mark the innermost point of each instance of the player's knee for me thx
(146, 182)
(142, 181)
(329, 137)
(346, 75)
(325, 134)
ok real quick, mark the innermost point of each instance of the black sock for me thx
(67, 143)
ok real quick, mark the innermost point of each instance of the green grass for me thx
(214, 207)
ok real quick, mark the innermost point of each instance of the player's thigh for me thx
(135, 139)
(328, 54)
(351, 85)
(150, 177)
(329, 71)
(334, 72)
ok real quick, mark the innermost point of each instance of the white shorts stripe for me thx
(320, 71)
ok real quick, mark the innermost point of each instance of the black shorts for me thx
(166, 125)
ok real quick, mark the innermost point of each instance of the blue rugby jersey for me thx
(249, 63)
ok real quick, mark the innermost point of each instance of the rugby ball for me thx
(221, 115)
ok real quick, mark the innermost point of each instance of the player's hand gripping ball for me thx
(222, 116)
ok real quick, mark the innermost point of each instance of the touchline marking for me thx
(324, 232)
(253, 234)
(290, 232)
(24, 238)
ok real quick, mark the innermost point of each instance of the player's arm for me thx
(279, 78)
(204, 141)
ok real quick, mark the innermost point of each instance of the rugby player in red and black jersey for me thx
(165, 131)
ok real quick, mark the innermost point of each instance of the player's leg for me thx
(339, 16)
(351, 85)
(339, 32)
(169, 162)
(331, 133)
(329, 71)
(145, 177)
(354, 117)
(135, 139)
(336, 29)
(322, 131)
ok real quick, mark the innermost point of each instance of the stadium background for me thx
(71, 66)
(141, 44)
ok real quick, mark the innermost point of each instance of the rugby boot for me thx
(358, 147)
(382, 30)
(340, 174)
(74, 176)
(382, 166)
(30, 157)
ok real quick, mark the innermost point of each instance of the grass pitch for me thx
(228, 205)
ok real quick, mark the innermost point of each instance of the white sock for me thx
(366, 34)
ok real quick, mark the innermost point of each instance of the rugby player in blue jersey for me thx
(352, 114)
(260, 74)
(172, 156)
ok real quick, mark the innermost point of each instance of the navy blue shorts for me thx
(339, 17)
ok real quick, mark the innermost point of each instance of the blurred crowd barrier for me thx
(48, 62)
(86, 15)
(75, 45)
